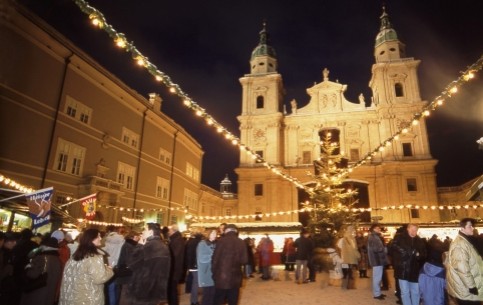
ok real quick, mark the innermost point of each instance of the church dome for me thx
(263, 49)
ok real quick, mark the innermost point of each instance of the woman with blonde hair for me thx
(350, 256)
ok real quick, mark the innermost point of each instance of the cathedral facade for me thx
(401, 174)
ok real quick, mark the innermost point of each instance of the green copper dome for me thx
(263, 49)
(386, 32)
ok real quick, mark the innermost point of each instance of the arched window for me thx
(260, 102)
(399, 89)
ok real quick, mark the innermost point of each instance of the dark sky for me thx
(205, 47)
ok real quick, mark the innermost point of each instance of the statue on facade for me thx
(362, 99)
(326, 72)
(293, 103)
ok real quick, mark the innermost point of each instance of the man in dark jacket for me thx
(229, 257)
(409, 253)
(192, 266)
(177, 249)
(304, 247)
(122, 272)
(377, 259)
(150, 265)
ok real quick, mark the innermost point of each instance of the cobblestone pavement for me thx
(284, 290)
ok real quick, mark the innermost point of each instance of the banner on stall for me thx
(89, 204)
(40, 203)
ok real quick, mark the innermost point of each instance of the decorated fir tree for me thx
(330, 204)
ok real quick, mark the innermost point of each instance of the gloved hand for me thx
(474, 291)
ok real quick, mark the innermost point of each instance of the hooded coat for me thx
(46, 258)
(229, 256)
(432, 284)
(465, 269)
(150, 265)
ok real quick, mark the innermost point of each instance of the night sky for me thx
(205, 47)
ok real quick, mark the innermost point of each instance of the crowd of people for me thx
(146, 268)
(427, 271)
(118, 268)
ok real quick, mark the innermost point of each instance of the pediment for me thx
(328, 97)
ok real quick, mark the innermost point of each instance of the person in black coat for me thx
(150, 265)
(409, 253)
(45, 259)
(20, 259)
(177, 249)
(191, 264)
(228, 258)
(304, 246)
(122, 272)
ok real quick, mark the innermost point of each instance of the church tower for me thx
(261, 130)
(261, 117)
(407, 168)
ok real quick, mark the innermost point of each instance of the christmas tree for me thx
(330, 204)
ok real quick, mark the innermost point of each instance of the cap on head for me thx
(59, 235)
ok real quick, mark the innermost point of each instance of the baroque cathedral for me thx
(403, 174)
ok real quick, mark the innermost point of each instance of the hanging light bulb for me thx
(469, 75)
(140, 61)
(120, 42)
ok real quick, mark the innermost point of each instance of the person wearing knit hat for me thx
(64, 251)
(59, 235)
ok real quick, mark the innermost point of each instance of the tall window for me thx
(190, 199)
(162, 188)
(398, 88)
(354, 154)
(130, 138)
(411, 184)
(260, 154)
(125, 175)
(407, 149)
(69, 157)
(192, 171)
(77, 110)
(258, 189)
(159, 218)
(306, 157)
(260, 102)
(165, 156)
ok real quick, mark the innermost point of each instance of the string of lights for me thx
(14, 184)
(98, 19)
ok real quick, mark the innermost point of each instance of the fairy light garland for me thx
(464, 205)
(14, 184)
(98, 19)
